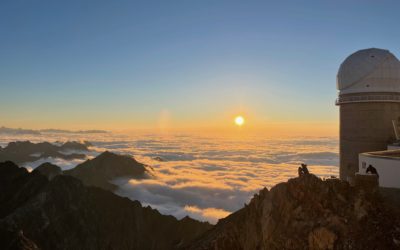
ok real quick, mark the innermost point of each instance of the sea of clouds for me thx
(205, 177)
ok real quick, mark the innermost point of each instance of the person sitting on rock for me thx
(304, 168)
(372, 170)
(300, 171)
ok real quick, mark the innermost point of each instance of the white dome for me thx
(369, 70)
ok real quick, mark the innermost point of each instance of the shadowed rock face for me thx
(73, 145)
(303, 213)
(49, 170)
(26, 151)
(16, 240)
(307, 213)
(105, 167)
(65, 214)
(17, 186)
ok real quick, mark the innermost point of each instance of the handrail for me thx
(367, 98)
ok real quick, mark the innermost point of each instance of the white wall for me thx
(388, 169)
(393, 147)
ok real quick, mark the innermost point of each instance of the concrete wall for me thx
(364, 127)
(388, 169)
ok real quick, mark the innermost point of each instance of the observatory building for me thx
(368, 83)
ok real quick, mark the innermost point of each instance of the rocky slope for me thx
(26, 151)
(308, 213)
(64, 214)
(49, 170)
(101, 170)
(303, 213)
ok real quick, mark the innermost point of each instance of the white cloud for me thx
(208, 177)
(208, 214)
(63, 164)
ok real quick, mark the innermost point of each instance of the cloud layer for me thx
(208, 178)
(202, 176)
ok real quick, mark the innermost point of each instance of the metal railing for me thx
(367, 98)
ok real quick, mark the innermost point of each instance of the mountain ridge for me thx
(102, 169)
(26, 151)
(65, 214)
(308, 213)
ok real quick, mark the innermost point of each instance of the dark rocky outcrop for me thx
(12, 240)
(73, 145)
(105, 167)
(65, 214)
(49, 170)
(308, 213)
(158, 158)
(17, 186)
(26, 151)
(303, 213)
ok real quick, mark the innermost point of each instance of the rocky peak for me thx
(65, 214)
(307, 213)
(73, 145)
(49, 170)
(17, 186)
(105, 167)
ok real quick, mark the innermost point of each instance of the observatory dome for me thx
(369, 70)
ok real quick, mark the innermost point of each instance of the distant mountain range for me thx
(26, 151)
(20, 131)
(97, 172)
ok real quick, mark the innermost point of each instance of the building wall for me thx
(388, 169)
(393, 147)
(364, 127)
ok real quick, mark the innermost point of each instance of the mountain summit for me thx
(100, 170)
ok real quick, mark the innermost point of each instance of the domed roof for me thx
(369, 70)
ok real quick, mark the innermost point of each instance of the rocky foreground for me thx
(62, 213)
(308, 213)
(47, 209)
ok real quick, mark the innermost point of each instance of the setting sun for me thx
(239, 120)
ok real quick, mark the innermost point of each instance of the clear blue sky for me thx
(129, 64)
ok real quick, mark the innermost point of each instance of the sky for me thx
(126, 65)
